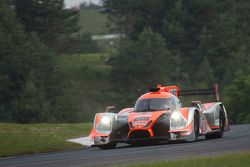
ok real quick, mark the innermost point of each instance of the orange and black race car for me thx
(159, 116)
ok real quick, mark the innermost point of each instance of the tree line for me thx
(193, 44)
(32, 89)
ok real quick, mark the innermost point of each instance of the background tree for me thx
(31, 106)
(139, 64)
(192, 29)
(89, 5)
(237, 98)
(30, 89)
(207, 39)
(20, 54)
(49, 19)
(205, 75)
(188, 43)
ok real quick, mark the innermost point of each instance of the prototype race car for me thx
(159, 116)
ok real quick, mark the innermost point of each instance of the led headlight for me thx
(177, 121)
(176, 115)
(105, 120)
(104, 126)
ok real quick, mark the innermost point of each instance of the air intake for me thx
(140, 134)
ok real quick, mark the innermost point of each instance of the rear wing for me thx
(175, 91)
(209, 91)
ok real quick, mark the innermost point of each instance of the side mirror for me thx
(110, 108)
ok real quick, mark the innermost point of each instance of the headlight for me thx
(105, 120)
(176, 115)
(104, 126)
(177, 121)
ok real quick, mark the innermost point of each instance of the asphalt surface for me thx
(237, 139)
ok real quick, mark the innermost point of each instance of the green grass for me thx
(229, 160)
(84, 65)
(22, 139)
(93, 21)
(91, 73)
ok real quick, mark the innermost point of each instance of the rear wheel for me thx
(111, 145)
(220, 133)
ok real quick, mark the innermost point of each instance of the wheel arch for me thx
(226, 126)
(192, 111)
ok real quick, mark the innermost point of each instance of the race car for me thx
(158, 116)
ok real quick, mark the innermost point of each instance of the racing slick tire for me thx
(111, 145)
(219, 134)
(196, 126)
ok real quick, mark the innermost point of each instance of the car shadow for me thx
(123, 145)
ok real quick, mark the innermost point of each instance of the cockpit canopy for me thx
(157, 104)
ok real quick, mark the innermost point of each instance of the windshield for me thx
(155, 104)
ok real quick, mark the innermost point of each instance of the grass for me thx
(229, 160)
(90, 72)
(84, 66)
(22, 139)
(93, 21)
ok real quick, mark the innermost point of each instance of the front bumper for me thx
(105, 140)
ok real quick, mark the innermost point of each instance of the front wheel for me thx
(111, 145)
(196, 125)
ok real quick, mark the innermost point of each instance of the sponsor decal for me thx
(139, 123)
(141, 119)
(146, 114)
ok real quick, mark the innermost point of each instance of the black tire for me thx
(111, 145)
(196, 125)
(219, 134)
(137, 143)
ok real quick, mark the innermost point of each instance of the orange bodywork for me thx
(145, 125)
(156, 95)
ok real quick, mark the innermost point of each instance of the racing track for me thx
(237, 139)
